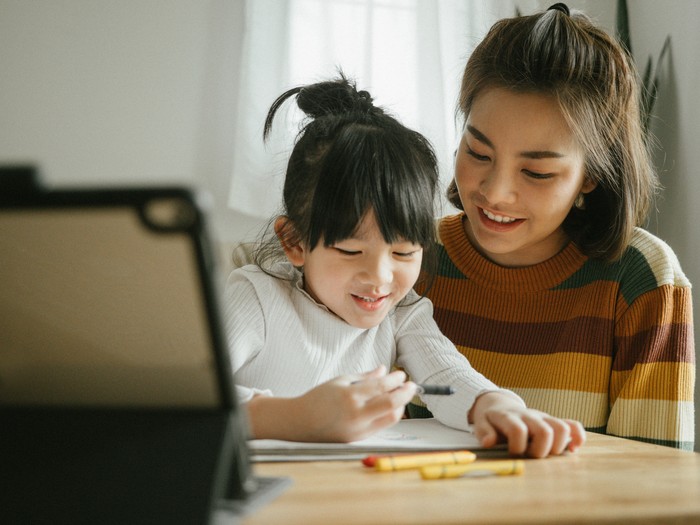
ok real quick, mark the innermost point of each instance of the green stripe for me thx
(632, 272)
(683, 445)
(446, 268)
(418, 412)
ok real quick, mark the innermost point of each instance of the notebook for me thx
(111, 343)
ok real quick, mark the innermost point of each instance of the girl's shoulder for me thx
(411, 310)
(281, 278)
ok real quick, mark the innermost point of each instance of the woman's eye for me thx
(535, 175)
(474, 154)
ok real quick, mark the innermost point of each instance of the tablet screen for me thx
(106, 299)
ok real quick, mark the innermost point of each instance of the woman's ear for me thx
(588, 185)
(284, 229)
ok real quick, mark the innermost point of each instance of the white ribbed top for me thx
(283, 343)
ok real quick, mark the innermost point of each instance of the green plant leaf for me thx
(652, 88)
(622, 26)
(650, 76)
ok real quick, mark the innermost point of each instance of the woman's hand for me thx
(344, 409)
(498, 416)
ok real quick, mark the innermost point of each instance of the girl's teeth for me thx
(498, 218)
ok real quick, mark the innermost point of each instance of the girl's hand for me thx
(497, 416)
(344, 409)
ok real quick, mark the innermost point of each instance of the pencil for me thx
(435, 390)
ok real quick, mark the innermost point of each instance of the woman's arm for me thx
(494, 414)
(652, 382)
(653, 371)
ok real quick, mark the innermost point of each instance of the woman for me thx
(547, 283)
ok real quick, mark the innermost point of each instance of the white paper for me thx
(408, 435)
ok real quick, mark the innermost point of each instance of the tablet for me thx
(108, 298)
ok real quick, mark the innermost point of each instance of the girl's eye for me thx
(474, 154)
(535, 175)
(406, 254)
(347, 252)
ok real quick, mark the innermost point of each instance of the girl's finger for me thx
(561, 435)
(514, 429)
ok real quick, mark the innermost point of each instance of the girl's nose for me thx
(378, 271)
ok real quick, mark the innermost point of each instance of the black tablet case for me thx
(116, 402)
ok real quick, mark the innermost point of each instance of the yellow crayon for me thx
(500, 467)
(409, 461)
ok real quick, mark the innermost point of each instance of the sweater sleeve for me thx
(653, 377)
(245, 328)
(430, 357)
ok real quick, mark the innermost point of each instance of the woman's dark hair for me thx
(593, 79)
(351, 157)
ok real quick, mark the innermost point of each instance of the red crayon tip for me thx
(369, 461)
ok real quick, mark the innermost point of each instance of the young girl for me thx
(546, 281)
(315, 329)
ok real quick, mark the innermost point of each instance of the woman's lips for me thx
(498, 222)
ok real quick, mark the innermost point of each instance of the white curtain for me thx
(409, 54)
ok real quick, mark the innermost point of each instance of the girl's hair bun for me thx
(334, 97)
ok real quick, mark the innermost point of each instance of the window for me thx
(409, 54)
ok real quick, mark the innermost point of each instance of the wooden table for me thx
(610, 480)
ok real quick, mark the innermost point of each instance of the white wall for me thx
(137, 92)
(677, 127)
(107, 92)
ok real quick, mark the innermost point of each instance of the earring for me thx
(580, 202)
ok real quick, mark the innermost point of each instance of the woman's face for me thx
(518, 171)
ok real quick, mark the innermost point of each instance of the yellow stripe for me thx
(652, 419)
(665, 381)
(561, 371)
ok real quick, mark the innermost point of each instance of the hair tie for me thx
(560, 6)
(365, 101)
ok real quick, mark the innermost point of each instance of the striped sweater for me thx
(610, 345)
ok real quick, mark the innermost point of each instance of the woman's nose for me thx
(498, 186)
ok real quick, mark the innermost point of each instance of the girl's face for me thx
(518, 171)
(362, 278)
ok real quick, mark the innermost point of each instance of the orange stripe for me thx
(662, 305)
(597, 299)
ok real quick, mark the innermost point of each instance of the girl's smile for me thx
(368, 303)
(362, 278)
